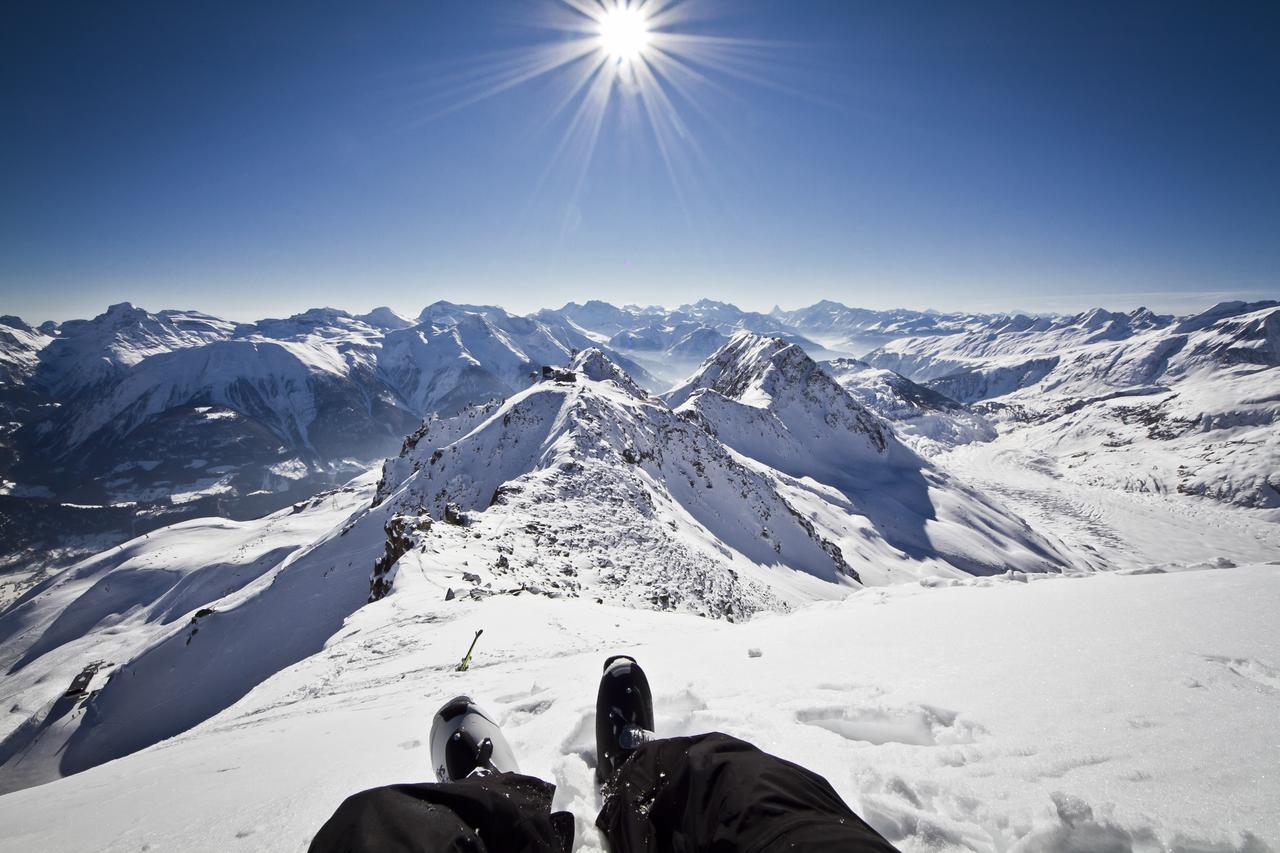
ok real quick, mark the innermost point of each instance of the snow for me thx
(87, 353)
(290, 469)
(1144, 404)
(582, 486)
(203, 487)
(20, 346)
(929, 422)
(1040, 622)
(1090, 712)
(8, 487)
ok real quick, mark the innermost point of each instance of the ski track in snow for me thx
(943, 737)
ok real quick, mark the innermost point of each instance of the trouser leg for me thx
(716, 793)
(504, 813)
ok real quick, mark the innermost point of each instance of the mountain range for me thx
(762, 482)
(132, 420)
(759, 483)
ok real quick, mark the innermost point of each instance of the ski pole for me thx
(466, 661)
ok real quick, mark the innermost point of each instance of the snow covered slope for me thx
(461, 354)
(925, 419)
(20, 346)
(1062, 723)
(846, 469)
(89, 353)
(581, 486)
(182, 622)
(238, 662)
(142, 419)
(1134, 401)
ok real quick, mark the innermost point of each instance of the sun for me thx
(624, 33)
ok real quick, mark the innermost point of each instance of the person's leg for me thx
(501, 813)
(481, 802)
(719, 794)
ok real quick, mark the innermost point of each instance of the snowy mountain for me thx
(1018, 351)
(460, 354)
(848, 471)
(758, 485)
(20, 346)
(669, 344)
(179, 414)
(1134, 401)
(858, 330)
(582, 515)
(133, 420)
(924, 418)
(90, 353)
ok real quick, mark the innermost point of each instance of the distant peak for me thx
(383, 317)
(121, 312)
(705, 304)
(443, 310)
(1220, 312)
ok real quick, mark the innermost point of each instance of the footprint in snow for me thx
(921, 725)
(534, 690)
(524, 712)
(1251, 669)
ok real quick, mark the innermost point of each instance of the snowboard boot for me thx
(624, 715)
(465, 741)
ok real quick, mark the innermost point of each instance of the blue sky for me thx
(255, 159)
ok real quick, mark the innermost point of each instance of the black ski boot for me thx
(465, 741)
(624, 715)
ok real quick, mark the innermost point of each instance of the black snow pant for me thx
(710, 793)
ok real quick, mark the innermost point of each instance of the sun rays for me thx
(645, 57)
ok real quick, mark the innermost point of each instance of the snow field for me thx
(1101, 712)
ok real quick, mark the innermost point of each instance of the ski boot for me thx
(465, 741)
(624, 715)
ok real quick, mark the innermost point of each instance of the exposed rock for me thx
(400, 540)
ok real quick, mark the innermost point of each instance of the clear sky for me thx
(258, 158)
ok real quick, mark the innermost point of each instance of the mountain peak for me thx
(384, 317)
(1221, 311)
(768, 377)
(449, 312)
(742, 369)
(122, 312)
(709, 305)
(598, 367)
